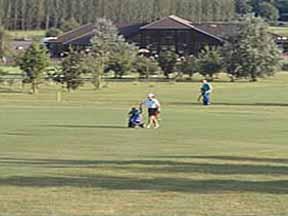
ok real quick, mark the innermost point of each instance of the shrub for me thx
(167, 61)
(69, 25)
(189, 65)
(146, 66)
(34, 63)
(53, 32)
(253, 53)
(284, 65)
(210, 62)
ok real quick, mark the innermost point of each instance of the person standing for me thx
(153, 106)
(206, 90)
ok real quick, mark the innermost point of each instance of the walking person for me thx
(153, 106)
(206, 90)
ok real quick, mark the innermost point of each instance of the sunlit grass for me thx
(77, 158)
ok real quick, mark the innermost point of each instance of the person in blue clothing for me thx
(135, 118)
(206, 90)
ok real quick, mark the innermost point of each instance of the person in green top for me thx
(206, 90)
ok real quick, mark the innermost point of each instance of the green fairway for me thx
(279, 30)
(31, 34)
(77, 158)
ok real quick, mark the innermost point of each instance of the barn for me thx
(169, 33)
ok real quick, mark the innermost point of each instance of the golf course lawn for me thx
(77, 158)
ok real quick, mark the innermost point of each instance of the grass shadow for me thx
(228, 158)
(88, 126)
(183, 185)
(10, 91)
(231, 104)
(18, 134)
(146, 181)
(153, 166)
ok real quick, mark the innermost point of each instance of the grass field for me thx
(10, 69)
(31, 34)
(279, 30)
(77, 158)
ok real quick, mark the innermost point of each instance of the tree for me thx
(210, 61)
(105, 38)
(269, 12)
(146, 66)
(110, 49)
(122, 57)
(34, 63)
(33, 14)
(167, 61)
(4, 44)
(282, 5)
(53, 32)
(253, 53)
(71, 70)
(242, 7)
(69, 25)
(189, 65)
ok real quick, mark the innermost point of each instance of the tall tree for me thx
(242, 7)
(34, 63)
(33, 14)
(253, 53)
(269, 12)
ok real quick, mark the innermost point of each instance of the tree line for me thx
(250, 55)
(270, 10)
(44, 14)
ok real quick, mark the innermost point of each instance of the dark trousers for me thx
(206, 99)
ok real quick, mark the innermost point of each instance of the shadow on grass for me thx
(227, 158)
(153, 166)
(88, 126)
(9, 91)
(231, 104)
(18, 134)
(149, 184)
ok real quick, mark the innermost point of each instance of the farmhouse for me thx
(172, 32)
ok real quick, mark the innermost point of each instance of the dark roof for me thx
(81, 40)
(217, 31)
(129, 30)
(170, 22)
(174, 22)
(74, 34)
(222, 30)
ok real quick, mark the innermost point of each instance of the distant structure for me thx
(168, 33)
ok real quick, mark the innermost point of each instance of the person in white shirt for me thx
(153, 106)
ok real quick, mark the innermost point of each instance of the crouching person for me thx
(135, 118)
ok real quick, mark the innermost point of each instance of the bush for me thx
(188, 65)
(69, 25)
(34, 63)
(284, 65)
(210, 62)
(146, 66)
(253, 53)
(2, 74)
(167, 61)
(53, 32)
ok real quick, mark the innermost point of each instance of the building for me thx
(168, 33)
